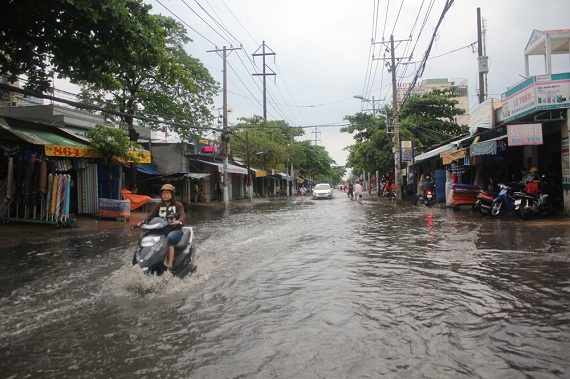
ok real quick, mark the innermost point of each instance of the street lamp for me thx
(362, 98)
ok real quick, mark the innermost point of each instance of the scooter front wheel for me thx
(496, 209)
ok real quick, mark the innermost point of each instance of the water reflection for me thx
(300, 289)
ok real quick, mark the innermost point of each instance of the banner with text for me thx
(524, 134)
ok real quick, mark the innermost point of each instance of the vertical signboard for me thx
(407, 151)
(565, 164)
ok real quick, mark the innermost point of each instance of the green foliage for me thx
(429, 118)
(318, 162)
(269, 142)
(123, 57)
(373, 148)
(337, 174)
(272, 145)
(114, 146)
(82, 40)
(425, 120)
(170, 85)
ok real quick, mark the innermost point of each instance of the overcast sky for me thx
(324, 54)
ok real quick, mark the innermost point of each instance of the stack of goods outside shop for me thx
(50, 184)
(36, 188)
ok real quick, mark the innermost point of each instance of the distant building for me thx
(460, 89)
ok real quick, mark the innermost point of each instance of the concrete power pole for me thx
(397, 175)
(397, 170)
(225, 132)
(396, 138)
(264, 74)
(482, 58)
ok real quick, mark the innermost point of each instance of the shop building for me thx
(528, 127)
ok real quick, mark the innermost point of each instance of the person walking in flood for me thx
(358, 190)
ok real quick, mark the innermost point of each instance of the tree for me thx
(430, 118)
(337, 173)
(114, 146)
(82, 40)
(425, 120)
(172, 86)
(269, 142)
(168, 85)
(373, 148)
(319, 162)
(272, 145)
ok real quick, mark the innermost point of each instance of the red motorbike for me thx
(484, 202)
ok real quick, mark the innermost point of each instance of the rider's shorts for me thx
(174, 237)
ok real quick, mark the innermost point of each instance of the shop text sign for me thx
(537, 93)
(524, 134)
(85, 152)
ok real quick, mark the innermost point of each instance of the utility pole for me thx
(292, 182)
(397, 175)
(483, 60)
(264, 74)
(396, 138)
(225, 132)
(249, 181)
(316, 132)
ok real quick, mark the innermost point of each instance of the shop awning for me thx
(434, 152)
(281, 175)
(148, 169)
(36, 136)
(196, 175)
(179, 176)
(145, 168)
(449, 156)
(258, 173)
(56, 141)
(439, 150)
(232, 169)
(488, 147)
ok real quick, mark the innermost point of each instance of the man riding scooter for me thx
(428, 190)
(169, 209)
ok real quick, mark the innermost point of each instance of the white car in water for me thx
(322, 191)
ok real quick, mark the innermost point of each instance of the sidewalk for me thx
(96, 223)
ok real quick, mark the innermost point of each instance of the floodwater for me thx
(294, 289)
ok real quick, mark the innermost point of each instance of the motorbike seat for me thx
(525, 195)
(184, 240)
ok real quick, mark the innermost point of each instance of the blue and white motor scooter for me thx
(504, 200)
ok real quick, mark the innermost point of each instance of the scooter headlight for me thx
(149, 241)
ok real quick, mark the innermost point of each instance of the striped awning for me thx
(488, 147)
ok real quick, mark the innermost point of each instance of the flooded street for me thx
(294, 289)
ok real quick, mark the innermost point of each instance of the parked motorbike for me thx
(484, 202)
(152, 250)
(529, 204)
(389, 194)
(504, 200)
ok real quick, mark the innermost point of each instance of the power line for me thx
(185, 23)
